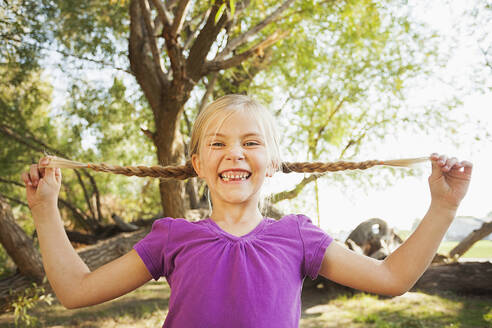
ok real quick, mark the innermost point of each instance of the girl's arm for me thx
(72, 281)
(400, 270)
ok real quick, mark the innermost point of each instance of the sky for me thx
(408, 199)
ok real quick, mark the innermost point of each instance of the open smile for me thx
(234, 177)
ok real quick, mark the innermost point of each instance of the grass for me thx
(411, 310)
(481, 249)
(148, 307)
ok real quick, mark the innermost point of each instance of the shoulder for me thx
(181, 229)
(290, 222)
(176, 223)
(295, 218)
(162, 224)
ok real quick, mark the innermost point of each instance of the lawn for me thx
(147, 307)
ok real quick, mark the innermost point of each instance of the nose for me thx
(235, 152)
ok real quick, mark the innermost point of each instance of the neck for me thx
(232, 214)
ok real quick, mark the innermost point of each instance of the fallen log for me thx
(468, 278)
(462, 278)
(93, 255)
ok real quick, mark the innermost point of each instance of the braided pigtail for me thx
(185, 171)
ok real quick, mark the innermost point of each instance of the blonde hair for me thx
(229, 105)
(226, 106)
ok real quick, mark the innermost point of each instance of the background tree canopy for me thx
(122, 81)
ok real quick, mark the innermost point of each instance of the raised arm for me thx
(72, 281)
(400, 270)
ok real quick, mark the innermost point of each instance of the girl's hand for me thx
(42, 184)
(449, 180)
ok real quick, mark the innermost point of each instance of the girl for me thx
(237, 268)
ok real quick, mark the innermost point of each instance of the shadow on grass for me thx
(323, 308)
(134, 308)
(138, 305)
(475, 310)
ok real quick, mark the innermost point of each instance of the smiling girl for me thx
(237, 268)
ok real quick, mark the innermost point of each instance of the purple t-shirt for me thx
(221, 280)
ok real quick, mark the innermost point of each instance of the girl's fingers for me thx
(43, 160)
(450, 163)
(434, 156)
(467, 167)
(58, 175)
(442, 160)
(25, 179)
(34, 174)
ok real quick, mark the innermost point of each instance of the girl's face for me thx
(233, 159)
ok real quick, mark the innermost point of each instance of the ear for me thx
(195, 161)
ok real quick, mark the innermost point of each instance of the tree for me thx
(185, 50)
(470, 240)
(188, 35)
(18, 245)
(349, 88)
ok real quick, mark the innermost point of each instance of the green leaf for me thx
(232, 4)
(219, 12)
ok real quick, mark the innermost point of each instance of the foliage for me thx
(337, 84)
(6, 269)
(31, 125)
(22, 26)
(25, 301)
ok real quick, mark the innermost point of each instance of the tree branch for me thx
(12, 182)
(194, 34)
(323, 127)
(151, 80)
(149, 134)
(66, 54)
(210, 87)
(179, 17)
(203, 43)
(15, 200)
(236, 60)
(150, 35)
(86, 196)
(245, 37)
(162, 12)
(22, 139)
(293, 193)
(169, 29)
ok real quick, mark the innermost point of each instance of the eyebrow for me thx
(250, 134)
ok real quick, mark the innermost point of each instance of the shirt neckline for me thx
(259, 227)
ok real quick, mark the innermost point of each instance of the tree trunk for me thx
(472, 238)
(192, 193)
(18, 245)
(462, 278)
(170, 151)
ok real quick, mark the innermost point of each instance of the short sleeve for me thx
(315, 241)
(152, 248)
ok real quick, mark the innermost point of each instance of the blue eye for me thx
(216, 143)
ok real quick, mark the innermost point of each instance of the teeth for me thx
(242, 176)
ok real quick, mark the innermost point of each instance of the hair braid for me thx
(181, 172)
